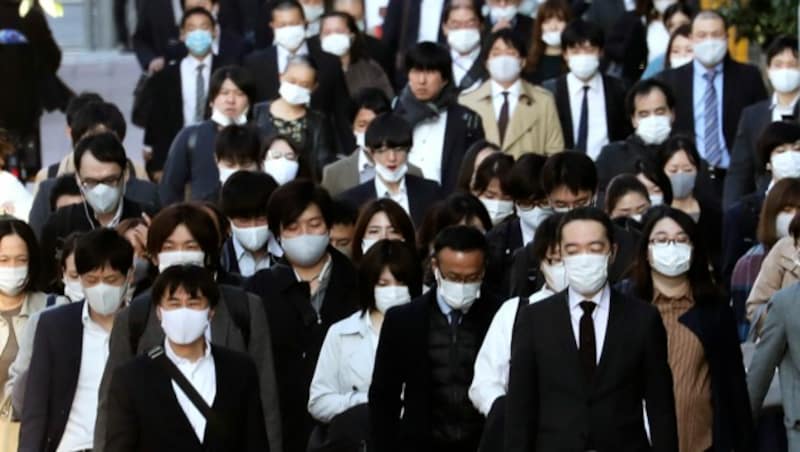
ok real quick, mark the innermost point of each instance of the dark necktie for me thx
(200, 95)
(583, 122)
(502, 119)
(587, 343)
(455, 319)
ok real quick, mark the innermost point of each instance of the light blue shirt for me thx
(698, 94)
(443, 306)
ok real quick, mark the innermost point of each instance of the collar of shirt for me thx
(513, 90)
(323, 274)
(283, 55)
(363, 160)
(383, 191)
(700, 70)
(183, 362)
(88, 323)
(465, 62)
(443, 306)
(114, 220)
(240, 251)
(787, 110)
(575, 85)
(192, 63)
(527, 232)
(602, 299)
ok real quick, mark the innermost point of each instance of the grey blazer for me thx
(342, 175)
(779, 347)
(224, 332)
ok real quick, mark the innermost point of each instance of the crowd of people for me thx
(469, 226)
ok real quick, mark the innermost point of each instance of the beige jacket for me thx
(33, 304)
(533, 127)
(781, 268)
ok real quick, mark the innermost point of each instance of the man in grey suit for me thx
(779, 346)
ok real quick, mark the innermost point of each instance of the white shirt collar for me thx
(470, 57)
(601, 298)
(792, 104)
(179, 360)
(383, 191)
(513, 90)
(576, 85)
(283, 55)
(322, 274)
(273, 248)
(363, 160)
(193, 62)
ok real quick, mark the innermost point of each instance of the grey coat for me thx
(342, 175)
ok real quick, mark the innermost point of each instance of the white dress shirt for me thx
(657, 39)
(596, 98)
(778, 112)
(189, 66)
(203, 376)
(430, 19)
(527, 233)
(463, 63)
(382, 191)
(248, 263)
(599, 316)
(497, 98)
(427, 151)
(344, 367)
(283, 55)
(366, 168)
(79, 431)
(493, 361)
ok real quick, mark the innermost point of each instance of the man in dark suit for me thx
(188, 394)
(590, 103)
(425, 357)
(443, 129)
(745, 174)
(388, 140)
(70, 349)
(720, 87)
(583, 360)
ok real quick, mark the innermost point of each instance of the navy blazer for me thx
(52, 378)
(739, 225)
(422, 195)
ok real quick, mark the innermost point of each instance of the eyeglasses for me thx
(682, 239)
(111, 181)
(529, 204)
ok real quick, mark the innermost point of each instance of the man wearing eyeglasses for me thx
(101, 172)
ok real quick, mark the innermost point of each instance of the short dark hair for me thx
(78, 102)
(372, 99)
(526, 178)
(546, 236)
(497, 165)
(509, 38)
(100, 247)
(67, 248)
(246, 194)
(785, 193)
(389, 130)
(429, 56)
(197, 10)
(94, 114)
(12, 226)
(460, 238)
(196, 281)
(776, 134)
(587, 214)
(680, 7)
(65, 185)
(344, 213)
(199, 223)
(238, 144)
(580, 31)
(572, 169)
(620, 186)
(358, 49)
(105, 147)
(239, 76)
(283, 5)
(657, 176)
(460, 207)
(644, 87)
(289, 201)
(467, 168)
(675, 144)
(394, 212)
(450, 6)
(305, 168)
(401, 261)
(710, 14)
(781, 44)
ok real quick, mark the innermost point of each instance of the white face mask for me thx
(636, 217)
(656, 200)
(168, 259)
(709, 52)
(782, 222)
(366, 244)
(498, 209)
(224, 120)
(534, 217)
(671, 259)
(662, 5)
(294, 94)
(784, 80)
(12, 279)
(504, 68)
(361, 139)
(73, 289)
(281, 169)
(391, 176)
(587, 273)
(184, 325)
(305, 250)
(552, 38)
(786, 164)
(682, 183)
(555, 276)
(253, 238)
(498, 13)
(678, 61)
(387, 297)
(103, 198)
(105, 299)
(654, 129)
(583, 66)
(290, 37)
(313, 12)
(336, 43)
(459, 296)
(225, 173)
(464, 40)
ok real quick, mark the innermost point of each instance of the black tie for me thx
(502, 120)
(587, 344)
(583, 124)
(455, 319)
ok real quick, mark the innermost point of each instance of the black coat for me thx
(627, 46)
(504, 240)
(156, 31)
(297, 335)
(422, 195)
(620, 157)
(402, 375)
(552, 406)
(739, 225)
(144, 414)
(190, 161)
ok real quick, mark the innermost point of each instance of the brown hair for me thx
(785, 193)
(397, 217)
(199, 223)
(547, 10)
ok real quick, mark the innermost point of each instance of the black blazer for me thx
(617, 121)
(422, 195)
(52, 378)
(742, 86)
(552, 406)
(156, 31)
(144, 414)
(297, 335)
(503, 240)
(627, 46)
(402, 366)
(621, 157)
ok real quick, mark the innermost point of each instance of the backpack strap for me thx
(51, 300)
(138, 312)
(52, 171)
(237, 302)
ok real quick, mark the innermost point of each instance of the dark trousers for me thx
(121, 22)
(494, 429)
(347, 432)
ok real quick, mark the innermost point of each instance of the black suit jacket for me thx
(402, 374)
(620, 157)
(144, 414)
(552, 405)
(156, 31)
(52, 378)
(742, 86)
(504, 240)
(422, 194)
(617, 122)
(627, 46)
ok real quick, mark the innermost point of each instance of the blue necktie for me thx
(711, 138)
(583, 122)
